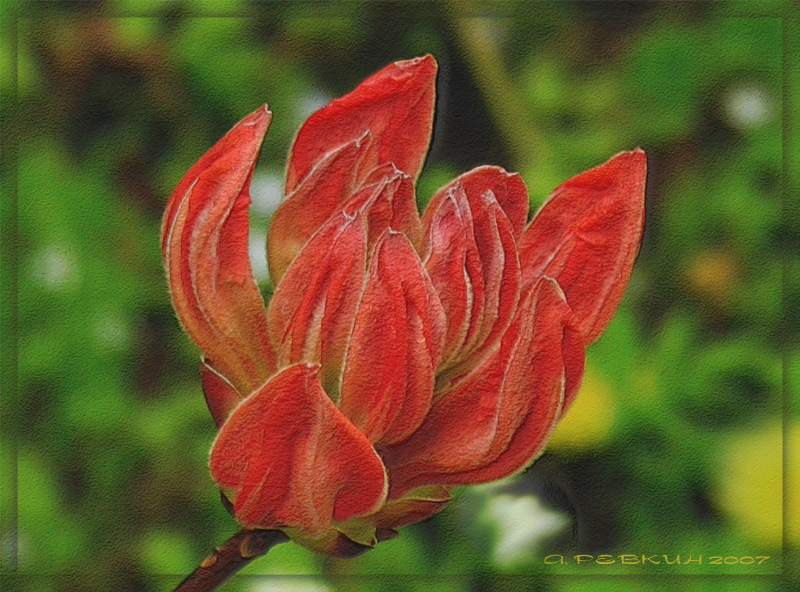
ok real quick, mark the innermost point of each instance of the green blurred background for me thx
(674, 445)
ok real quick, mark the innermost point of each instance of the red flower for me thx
(399, 354)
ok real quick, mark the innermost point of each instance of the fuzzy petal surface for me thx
(508, 189)
(322, 193)
(394, 104)
(495, 421)
(474, 267)
(205, 248)
(387, 201)
(396, 345)
(417, 505)
(586, 236)
(288, 457)
(312, 312)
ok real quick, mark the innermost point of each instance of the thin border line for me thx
(785, 270)
(10, 154)
(9, 558)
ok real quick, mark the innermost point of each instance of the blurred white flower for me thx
(54, 268)
(522, 525)
(111, 332)
(266, 191)
(312, 101)
(747, 106)
(257, 247)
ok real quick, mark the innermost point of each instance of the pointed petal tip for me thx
(416, 73)
(396, 104)
(635, 161)
(243, 141)
(258, 119)
(259, 114)
(637, 156)
(640, 157)
(607, 205)
(311, 370)
(493, 168)
(429, 61)
(426, 61)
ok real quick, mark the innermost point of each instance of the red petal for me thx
(508, 188)
(474, 266)
(221, 397)
(395, 104)
(290, 458)
(573, 352)
(396, 345)
(205, 246)
(446, 268)
(387, 201)
(500, 267)
(586, 236)
(332, 181)
(242, 139)
(312, 312)
(496, 420)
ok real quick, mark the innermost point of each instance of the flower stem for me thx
(226, 560)
(478, 39)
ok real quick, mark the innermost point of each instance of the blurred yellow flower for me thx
(793, 486)
(713, 275)
(588, 422)
(750, 489)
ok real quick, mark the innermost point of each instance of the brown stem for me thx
(226, 560)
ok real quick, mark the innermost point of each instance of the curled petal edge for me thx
(287, 458)
(205, 248)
